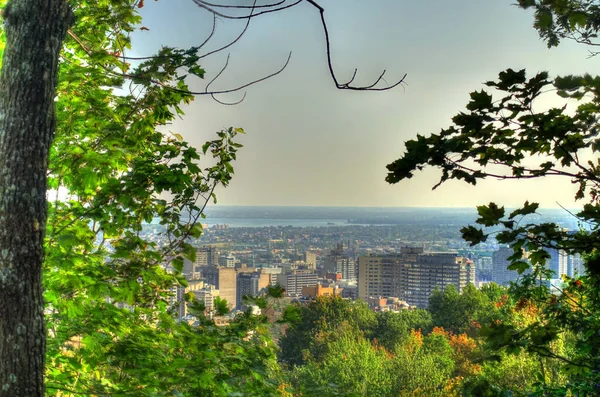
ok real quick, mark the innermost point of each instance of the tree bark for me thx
(35, 30)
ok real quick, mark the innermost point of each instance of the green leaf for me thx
(473, 235)
(189, 251)
(196, 230)
(177, 263)
(519, 266)
(490, 215)
(527, 209)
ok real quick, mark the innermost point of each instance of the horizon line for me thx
(359, 206)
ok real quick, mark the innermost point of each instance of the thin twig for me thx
(231, 42)
(244, 7)
(208, 7)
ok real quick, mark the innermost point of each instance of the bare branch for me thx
(244, 7)
(231, 42)
(210, 8)
(212, 32)
(274, 7)
(226, 91)
(353, 76)
(218, 74)
(228, 103)
(241, 87)
(347, 86)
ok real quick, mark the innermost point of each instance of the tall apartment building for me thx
(575, 266)
(225, 280)
(250, 284)
(558, 262)
(437, 270)
(386, 275)
(341, 264)
(412, 275)
(501, 275)
(293, 281)
(206, 256)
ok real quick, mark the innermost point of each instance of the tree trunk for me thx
(35, 30)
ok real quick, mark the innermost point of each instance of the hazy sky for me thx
(311, 144)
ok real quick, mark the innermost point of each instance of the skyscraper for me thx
(575, 265)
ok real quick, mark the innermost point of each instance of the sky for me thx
(309, 144)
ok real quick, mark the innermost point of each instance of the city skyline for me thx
(310, 144)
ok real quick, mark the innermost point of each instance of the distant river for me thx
(263, 222)
(239, 216)
(235, 216)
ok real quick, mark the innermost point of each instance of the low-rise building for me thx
(318, 290)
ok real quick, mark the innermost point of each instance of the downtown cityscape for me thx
(391, 258)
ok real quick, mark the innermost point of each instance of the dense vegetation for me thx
(336, 347)
(112, 167)
(503, 134)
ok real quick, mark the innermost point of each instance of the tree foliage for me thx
(506, 133)
(113, 168)
(351, 366)
(393, 328)
(459, 312)
(314, 324)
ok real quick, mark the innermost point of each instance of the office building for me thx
(293, 281)
(250, 284)
(176, 299)
(339, 261)
(206, 256)
(207, 296)
(225, 280)
(558, 263)
(575, 265)
(501, 275)
(310, 258)
(412, 275)
(227, 260)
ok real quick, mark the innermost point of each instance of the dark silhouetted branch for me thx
(231, 42)
(273, 8)
(278, 6)
(242, 6)
(241, 87)
(347, 86)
